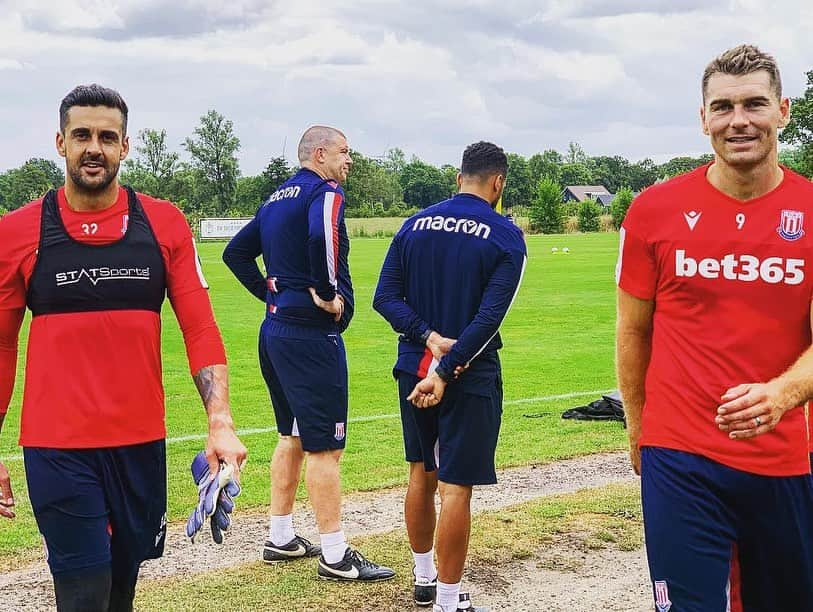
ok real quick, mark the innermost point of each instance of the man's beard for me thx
(110, 174)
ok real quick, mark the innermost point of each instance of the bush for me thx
(589, 212)
(620, 204)
(546, 209)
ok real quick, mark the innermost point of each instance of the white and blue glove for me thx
(216, 493)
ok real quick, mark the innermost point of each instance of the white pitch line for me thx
(363, 419)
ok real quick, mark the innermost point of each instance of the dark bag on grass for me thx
(608, 408)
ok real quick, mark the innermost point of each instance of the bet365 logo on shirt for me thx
(747, 268)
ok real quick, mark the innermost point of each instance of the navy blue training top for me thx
(454, 268)
(301, 234)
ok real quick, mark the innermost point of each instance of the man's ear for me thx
(60, 143)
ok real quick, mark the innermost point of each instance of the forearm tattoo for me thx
(205, 382)
(213, 385)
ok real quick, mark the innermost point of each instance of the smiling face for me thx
(93, 144)
(742, 115)
(336, 159)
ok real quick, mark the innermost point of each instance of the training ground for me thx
(558, 353)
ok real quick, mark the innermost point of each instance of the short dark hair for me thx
(92, 95)
(744, 59)
(484, 159)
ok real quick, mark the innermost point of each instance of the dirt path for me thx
(380, 511)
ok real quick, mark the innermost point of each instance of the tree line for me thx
(208, 182)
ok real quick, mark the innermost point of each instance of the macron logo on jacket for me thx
(453, 225)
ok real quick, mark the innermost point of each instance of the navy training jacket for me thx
(454, 268)
(300, 232)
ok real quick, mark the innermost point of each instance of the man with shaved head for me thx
(300, 232)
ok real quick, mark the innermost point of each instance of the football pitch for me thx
(558, 353)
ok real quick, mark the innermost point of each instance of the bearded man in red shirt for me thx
(93, 262)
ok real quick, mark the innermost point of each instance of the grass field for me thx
(558, 339)
(604, 517)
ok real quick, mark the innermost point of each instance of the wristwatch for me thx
(425, 335)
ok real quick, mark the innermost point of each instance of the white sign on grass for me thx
(222, 228)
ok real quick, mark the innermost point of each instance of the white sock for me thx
(448, 596)
(333, 546)
(281, 529)
(425, 564)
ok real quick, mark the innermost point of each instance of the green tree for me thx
(575, 173)
(53, 173)
(575, 154)
(213, 151)
(643, 174)
(395, 160)
(154, 154)
(799, 130)
(248, 195)
(545, 164)
(588, 214)
(423, 184)
(681, 165)
(153, 167)
(796, 159)
(275, 174)
(517, 190)
(620, 204)
(546, 210)
(29, 182)
(371, 189)
(612, 172)
(450, 174)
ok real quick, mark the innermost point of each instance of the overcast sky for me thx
(617, 76)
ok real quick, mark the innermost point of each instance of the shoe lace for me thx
(361, 560)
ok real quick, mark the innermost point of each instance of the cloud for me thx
(620, 77)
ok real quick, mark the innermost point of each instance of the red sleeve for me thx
(636, 271)
(186, 286)
(10, 322)
(204, 346)
(19, 238)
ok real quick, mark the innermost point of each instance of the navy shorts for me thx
(99, 507)
(716, 536)
(458, 437)
(306, 372)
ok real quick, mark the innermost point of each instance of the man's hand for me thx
(752, 409)
(334, 307)
(6, 495)
(223, 446)
(428, 392)
(439, 345)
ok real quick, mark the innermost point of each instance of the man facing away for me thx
(93, 262)
(714, 359)
(446, 284)
(301, 234)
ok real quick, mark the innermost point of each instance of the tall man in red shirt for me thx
(714, 358)
(93, 262)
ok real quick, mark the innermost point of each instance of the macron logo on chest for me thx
(692, 217)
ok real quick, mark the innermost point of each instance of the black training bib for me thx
(71, 276)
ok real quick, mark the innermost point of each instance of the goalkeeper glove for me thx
(216, 493)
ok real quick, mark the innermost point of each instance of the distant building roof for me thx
(583, 192)
(605, 198)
